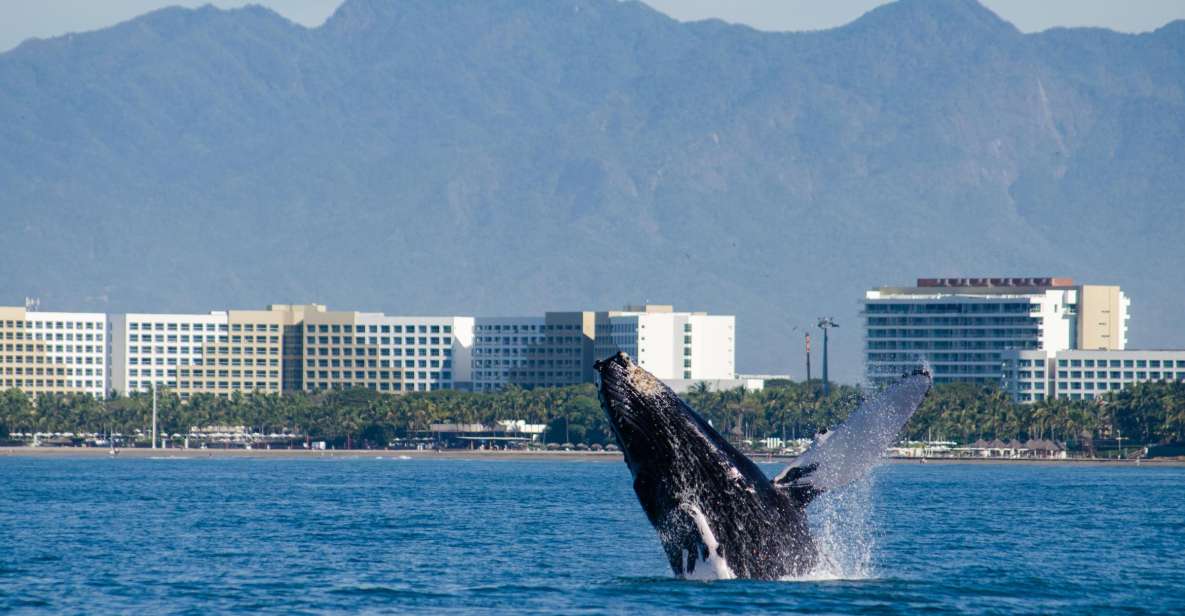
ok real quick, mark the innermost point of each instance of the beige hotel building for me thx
(391, 354)
(53, 352)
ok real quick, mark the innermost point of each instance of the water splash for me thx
(844, 532)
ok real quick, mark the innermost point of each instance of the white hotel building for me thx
(676, 347)
(1032, 376)
(965, 327)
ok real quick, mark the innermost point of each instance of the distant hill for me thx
(500, 157)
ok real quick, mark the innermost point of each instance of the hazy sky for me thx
(22, 19)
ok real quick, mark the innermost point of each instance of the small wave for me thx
(28, 602)
(387, 592)
(828, 575)
(515, 589)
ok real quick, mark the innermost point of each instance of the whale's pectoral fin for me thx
(848, 452)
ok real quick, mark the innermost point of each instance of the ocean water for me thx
(396, 535)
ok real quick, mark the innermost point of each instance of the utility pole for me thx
(826, 323)
(808, 359)
(154, 416)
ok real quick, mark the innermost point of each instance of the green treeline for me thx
(1147, 413)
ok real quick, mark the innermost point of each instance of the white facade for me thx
(1028, 375)
(962, 328)
(960, 335)
(681, 386)
(686, 346)
(1087, 374)
(148, 349)
(75, 349)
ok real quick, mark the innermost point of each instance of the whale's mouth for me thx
(612, 388)
(613, 382)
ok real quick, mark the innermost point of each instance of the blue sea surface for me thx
(544, 536)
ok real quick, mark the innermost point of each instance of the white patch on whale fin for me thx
(714, 566)
(848, 452)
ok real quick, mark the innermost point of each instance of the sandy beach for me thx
(455, 454)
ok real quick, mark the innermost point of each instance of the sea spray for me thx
(844, 532)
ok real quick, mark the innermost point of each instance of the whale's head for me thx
(648, 419)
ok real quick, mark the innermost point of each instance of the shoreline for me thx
(458, 454)
(195, 453)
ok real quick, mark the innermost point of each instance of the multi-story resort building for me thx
(216, 353)
(681, 348)
(549, 351)
(963, 327)
(292, 343)
(287, 348)
(1026, 375)
(53, 352)
(390, 354)
(674, 346)
(1082, 374)
(309, 348)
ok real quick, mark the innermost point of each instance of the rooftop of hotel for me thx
(1017, 285)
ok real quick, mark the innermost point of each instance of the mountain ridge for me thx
(483, 158)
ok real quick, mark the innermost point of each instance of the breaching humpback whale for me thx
(716, 513)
